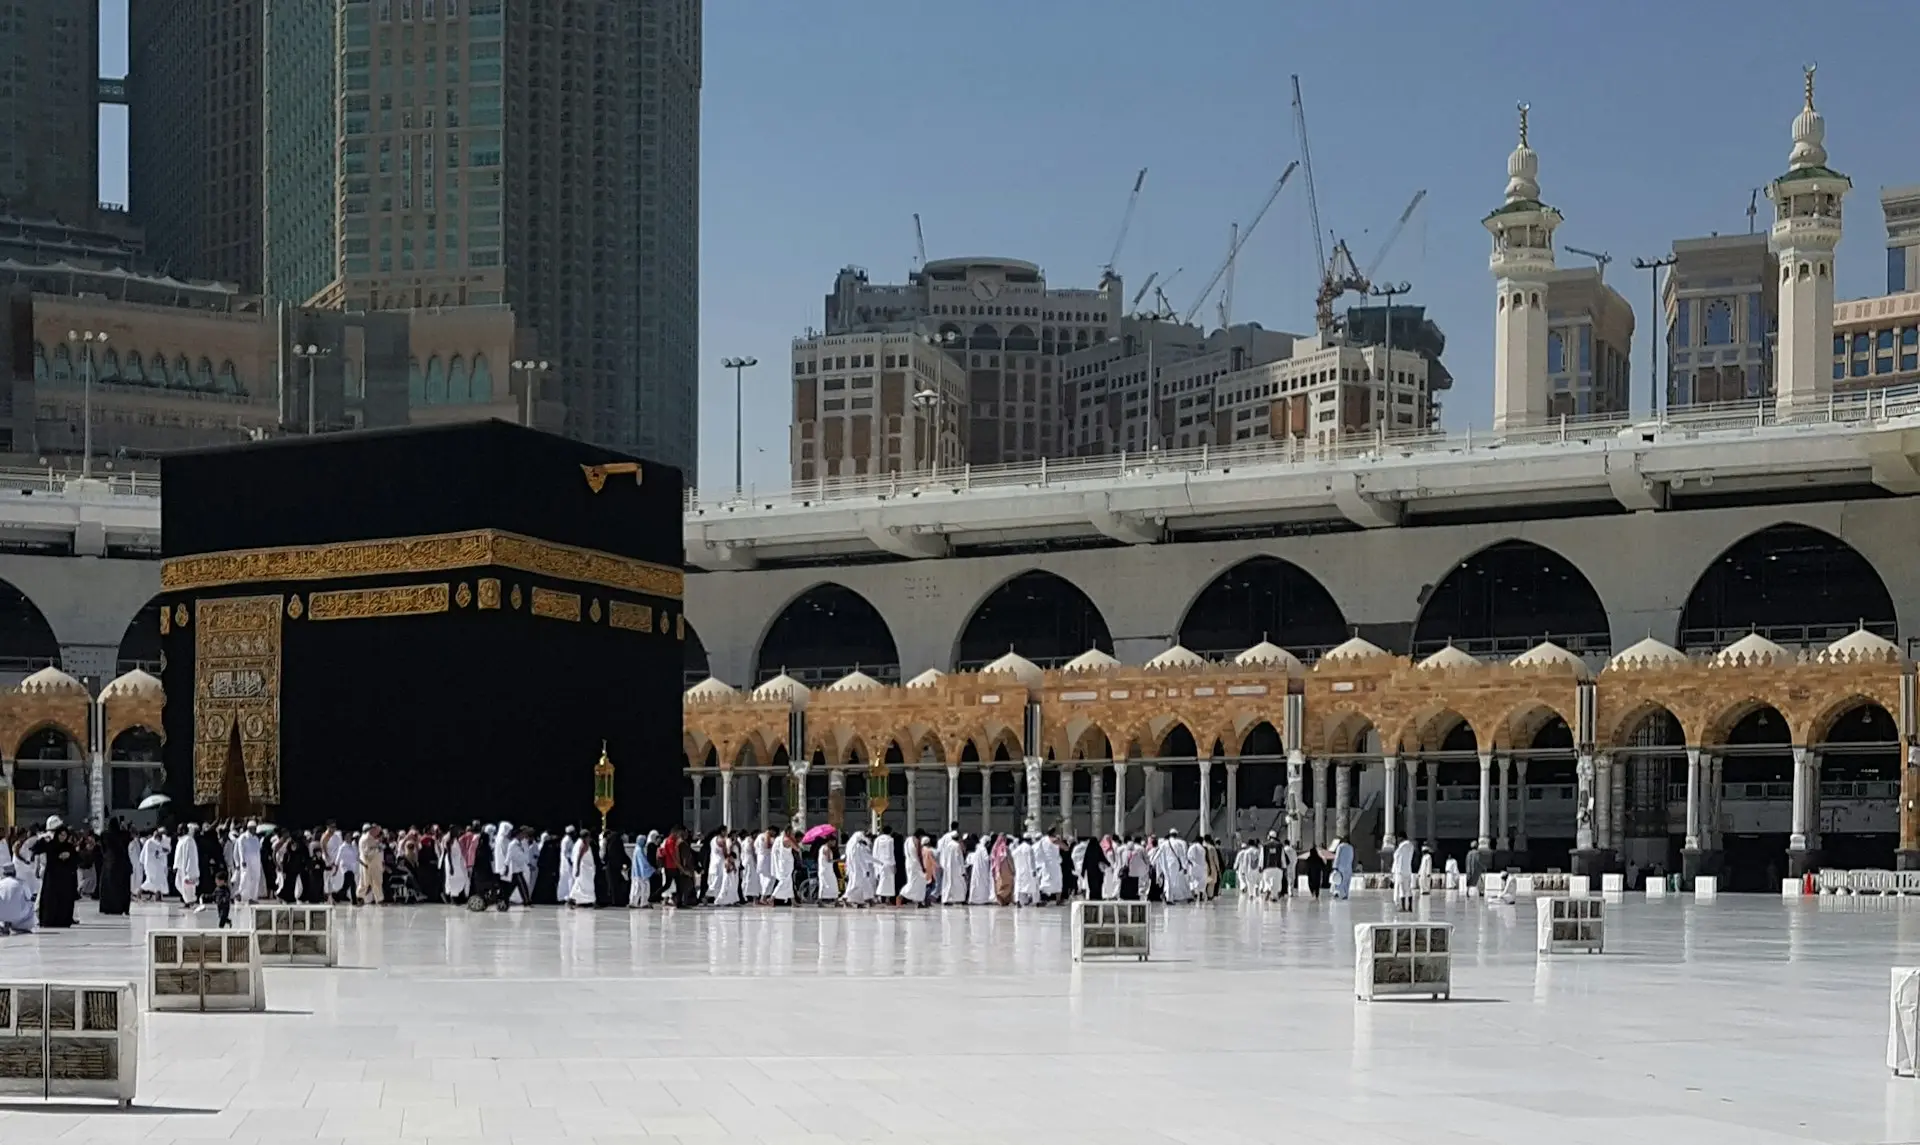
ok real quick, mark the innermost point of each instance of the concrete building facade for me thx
(1589, 345)
(49, 109)
(1721, 307)
(1901, 208)
(1165, 385)
(865, 405)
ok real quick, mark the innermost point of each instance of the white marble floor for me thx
(1747, 1020)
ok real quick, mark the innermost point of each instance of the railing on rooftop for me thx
(1730, 419)
(24, 480)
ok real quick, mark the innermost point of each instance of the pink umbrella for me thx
(815, 834)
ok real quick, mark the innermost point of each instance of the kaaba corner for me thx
(421, 625)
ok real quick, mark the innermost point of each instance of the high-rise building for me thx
(546, 155)
(49, 109)
(1900, 206)
(1720, 304)
(1589, 345)
(868, 404)
(1010, 330)
(299, 93)
(194, 136)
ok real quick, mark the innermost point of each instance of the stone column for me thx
(1120, 798)
(797, 809)
(1206, 798)
(1096, 800)
(1064, 773)
(1520, 768)
(986, 799)
(1485, 840)
(1296, 807)
(6, 772)
(96, 766)
(1146, 798)
(1693, 799)
(1319, 802)
(726, 799)
(699, 793)
(1797, 840)
(1906, 859)
(913, 798)
(1343, 800)
(766, 798)
(1506, 774)
(1602, 801)
(1585, 858)
(1715, 765)
(1233, 802)
(1031, 788)
(1387, 839)
(1621, 771)
(1433, 801)
(837, 799)
(953, 795)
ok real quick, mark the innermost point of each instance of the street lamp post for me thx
(310, 354)
(934, 399)
(532, 369)
(1653, 331)
(85, 340)
(1390, 291)
(737, 365)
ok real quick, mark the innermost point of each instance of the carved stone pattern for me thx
(489, 592)
(429, 554)
(631, 616)
(366, 603)
(237, 682)
(556, 605)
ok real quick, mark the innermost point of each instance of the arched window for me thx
(416, 385)
(40, 372)
(436, 381)
(1719, 329)
(110, 366)
(459, 383)
(203, 378)
(229, 379)
(62, 363)
(482, 379)
(135, 371)
(182, 372)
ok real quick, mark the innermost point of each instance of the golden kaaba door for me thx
(235, 801)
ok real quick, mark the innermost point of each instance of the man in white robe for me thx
(859, 891)
(763, 845)
(253, 873)
(456, 881)
(502, 836)
(886, 870)
(186, 868)
(717, 867)
(1426, 869)
(26, 864)
(1026, 883)
(782, 855)
(581, 862)
(1403, 889)
(953, 869)
(915, 890)
(568, 843)
(980, 874)
(1170, 864)
(346, 862)
(16, 905)
(1079, 858)
(1197, 869)
(155, 854)
(520, 860)
(1246, 869)
(1048, 866)
(751, 849)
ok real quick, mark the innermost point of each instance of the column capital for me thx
(953, 769)
(1392, 762)
(1801, 755)
(1232, 766)
(1486, 761)
(1693, 754)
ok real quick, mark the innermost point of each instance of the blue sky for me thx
(1015, 128)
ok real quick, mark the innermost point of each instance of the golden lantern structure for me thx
(603, 785)
(877, 790)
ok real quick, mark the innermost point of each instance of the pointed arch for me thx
(823, 633)
(1511, 595)
(459, 382)
(1262, 598)
(435, 382)
(1791, 582)
(482, 384)
(1041, 615)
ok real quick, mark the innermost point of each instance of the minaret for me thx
(1806, 228)
(1522, 232)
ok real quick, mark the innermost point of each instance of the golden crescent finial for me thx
(1524, 109)
(1810, 69)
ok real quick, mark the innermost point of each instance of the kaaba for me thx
(425, 625)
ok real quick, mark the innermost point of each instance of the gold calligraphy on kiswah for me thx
(366, 603)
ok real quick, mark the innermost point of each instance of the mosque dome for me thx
(1178, 656)
(1547, 653)
(1861, 645)
(1449, 657)
(1353, 649)
(1646, 654)
(1752, 648)
(52, 681)
(711, 688)
(784, 687)
(927, 679)
(134, 683)
(1019, 667)
(1267, 654)
(1092, 660)
(855, 681)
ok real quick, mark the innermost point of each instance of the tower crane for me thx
(1600, 258)
(1393, 235)
(1142, 292)
(1162, 305)
(920, 238)
(1240, 240)
(1126, 221)
(1226, 291)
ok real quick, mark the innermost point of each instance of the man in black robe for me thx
(116, 871)
(610, 875)
(299, 861)
(1093, 864)
(60, 880)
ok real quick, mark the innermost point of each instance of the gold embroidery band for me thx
(631, 616)
(362, 603)
(443, 552)
(556, 605)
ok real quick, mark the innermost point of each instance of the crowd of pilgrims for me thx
(495, 865)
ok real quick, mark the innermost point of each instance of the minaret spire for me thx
(1522, 229)
(1806, 229)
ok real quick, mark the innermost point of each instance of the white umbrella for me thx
(153, 801)
(265, 829)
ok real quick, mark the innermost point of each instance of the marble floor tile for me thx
(1747, 1020)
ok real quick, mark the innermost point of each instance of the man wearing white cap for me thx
(186, 868)
(16, 905)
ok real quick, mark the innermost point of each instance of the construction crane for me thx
(1240, 240)
(920, 238)
(1599, 258)
(1226, 290)
(1162, 305)
(1393, 235)
(1126, 221)
(1142, 292)
(1323, 303)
